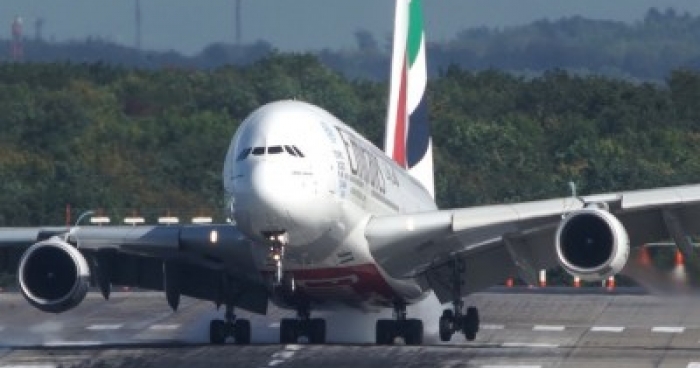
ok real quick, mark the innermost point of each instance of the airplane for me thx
(323, 219)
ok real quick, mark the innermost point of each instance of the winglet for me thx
(407, 140)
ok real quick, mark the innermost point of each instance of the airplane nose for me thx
(269, 197)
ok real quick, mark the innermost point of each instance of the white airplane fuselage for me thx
(292, 167)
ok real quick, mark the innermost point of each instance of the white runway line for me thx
(548, 328)
(529, 345)
(164, 327)
(616, 329)
(492, 327)
(104, 327)
(667, 329)
(693, 365)
(511, 366)
(56, 344)
(29, 366)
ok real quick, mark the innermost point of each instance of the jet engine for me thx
(592, 244)
(53, 275)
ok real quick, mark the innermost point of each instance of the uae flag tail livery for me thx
(407, 138)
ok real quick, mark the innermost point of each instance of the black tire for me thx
(217, 332)
(470, 326)
(413, 332)
(446, 326)
(241, 331)
(288, 331)
(385, 332)
(317, 331)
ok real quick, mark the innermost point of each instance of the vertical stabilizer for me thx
(407, 138)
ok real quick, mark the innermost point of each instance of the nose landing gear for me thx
(278, 242)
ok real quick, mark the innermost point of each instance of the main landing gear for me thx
(239, 329)
(454, 320)
(411, 330)
(314, 329)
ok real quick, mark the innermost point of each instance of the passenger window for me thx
(273, 150)
(242, 156)
(290, 150)
(259, 151)
(298, 151)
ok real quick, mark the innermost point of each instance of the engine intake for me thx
(53, 275)
(592, 244)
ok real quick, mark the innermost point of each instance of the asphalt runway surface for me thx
(525, 329)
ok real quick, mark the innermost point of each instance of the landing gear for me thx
(279, 242)
(239, 329)
(410, 330)
(314, 329)
(453, 321)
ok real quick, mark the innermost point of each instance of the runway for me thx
(525, 329)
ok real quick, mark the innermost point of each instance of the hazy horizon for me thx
(188, 26)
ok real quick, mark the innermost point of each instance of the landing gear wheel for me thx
(446, 327)
(412, 331)
(470, 325)
(288, 331)
(317, 331)
(217, 332)
(385, 332)
(241, 331)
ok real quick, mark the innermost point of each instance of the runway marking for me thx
(164, 327)
(282, 356)
(667, 329)
(529, 345)
(274, 325)
(694, 365)
(617, 329)
(492, 327)
(104, 327)
(56, 344)
(29, 366)
(548, 328)
(511, 366)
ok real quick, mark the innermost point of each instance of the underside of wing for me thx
(211, 262)
(473, 248)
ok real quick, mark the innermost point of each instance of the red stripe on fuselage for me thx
(360, 282)
(399, 154)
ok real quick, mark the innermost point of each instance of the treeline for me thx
(647, 50)
(124, 140)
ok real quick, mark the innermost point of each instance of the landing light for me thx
(133, 221)
(201, 220)
(100, 220)
(168, 220)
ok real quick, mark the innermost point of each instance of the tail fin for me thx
(407, 138)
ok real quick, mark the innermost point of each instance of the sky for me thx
(190, 25)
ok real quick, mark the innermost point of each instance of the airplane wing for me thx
(209, 262)
(487, 244)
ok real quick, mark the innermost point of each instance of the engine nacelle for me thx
(592, 244)
(53, 275)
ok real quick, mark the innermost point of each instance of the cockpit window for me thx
(259, 151)
(290, 150)
(243, 154)
(273, 150)
(298, 151)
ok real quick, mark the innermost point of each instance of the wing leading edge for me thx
(491, 243)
